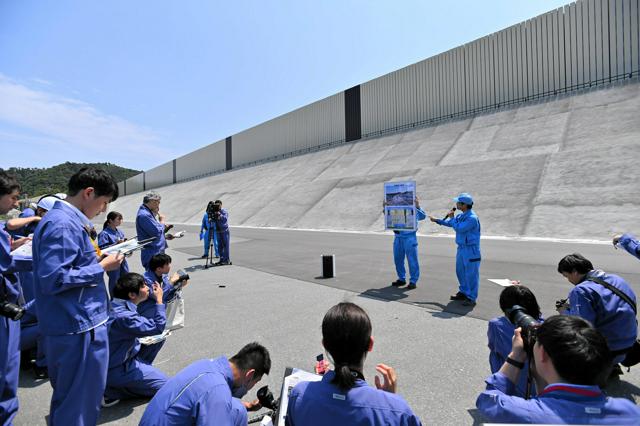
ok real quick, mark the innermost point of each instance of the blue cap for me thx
(464, 198)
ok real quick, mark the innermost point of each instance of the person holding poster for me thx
(402, 212)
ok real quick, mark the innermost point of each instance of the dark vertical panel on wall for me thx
(228, 153)
(125, 186)
(174, 171)
(144, 181)
(353, 127)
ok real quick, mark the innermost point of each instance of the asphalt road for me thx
(364, 264)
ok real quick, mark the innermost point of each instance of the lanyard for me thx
(91, 232)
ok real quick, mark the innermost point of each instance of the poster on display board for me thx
(400, 206)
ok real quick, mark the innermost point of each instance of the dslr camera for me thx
(529, 325)
(182, 277)
(212, 209)
(11, 310)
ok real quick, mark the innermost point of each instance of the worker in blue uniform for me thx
(208, 232)
(500, 331)
(343, 397)
(467, 227)
(203, 392)
(10, 292)
(405, 244)
(569, 356)
(592, 300)
(221, 221)
(71, 297)
(147, 226)
(127, 376)
(158, 272)
(111, 235)
(628, 242)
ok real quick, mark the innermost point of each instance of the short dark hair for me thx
(578, 351)
(8, 183)
(158, 261)
(100, 180)
(346, 333)
(575, 262)
(217, 202)
(253, 356)
(128, 283)
(520, 295)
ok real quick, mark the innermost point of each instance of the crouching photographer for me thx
(568, 356)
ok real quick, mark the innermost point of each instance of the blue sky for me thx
(138, 83)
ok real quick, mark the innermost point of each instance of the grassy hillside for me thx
(35, 181)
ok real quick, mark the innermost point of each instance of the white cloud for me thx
(70, 125)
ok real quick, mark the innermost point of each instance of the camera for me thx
(266, 398)
(182, 277)
(529, 325)
(212, 209)
(11, 310)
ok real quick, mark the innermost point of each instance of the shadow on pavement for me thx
(445, 311)
(620, 388)
(388, 294)
(120, 410)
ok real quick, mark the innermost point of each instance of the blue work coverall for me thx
(222, 230)
(9, 329)
(148, 353)
(200, 394)
(323, 403)
(500, 335)
(72, 306)
(558, 403)
(405, 243)
(127, 376)
(108, 237)
(630, 244)
(147, 226)
(609, 314)
(467, 227)
(208, 230)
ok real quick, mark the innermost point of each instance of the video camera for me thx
(212, 209)
(529, 325)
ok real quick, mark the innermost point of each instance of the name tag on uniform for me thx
(592, 410)
(339, 396)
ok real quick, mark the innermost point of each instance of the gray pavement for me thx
(272, 294)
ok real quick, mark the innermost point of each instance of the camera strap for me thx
(617, 292)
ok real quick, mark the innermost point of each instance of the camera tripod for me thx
(211, 252)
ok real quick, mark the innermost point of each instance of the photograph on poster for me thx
(399, 206)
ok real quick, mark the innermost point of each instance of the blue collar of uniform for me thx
(329, 375)
(571, 391)
(126, 303)
(66, 206)
(224, 368)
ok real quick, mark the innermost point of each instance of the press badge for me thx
(592, 410)
(339, 396)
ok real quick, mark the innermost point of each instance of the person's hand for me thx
(389, 379)
(433, 219)
(417, 202)
(158, 292)
(517, 346)
(616, 240)
(112, 261)
(253, 405)
(19, 242)
(175, 277)
(451, 213)
(563, 308)
(161, 218)
(169, 236)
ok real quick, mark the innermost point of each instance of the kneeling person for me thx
(203, 393)
(127, 376)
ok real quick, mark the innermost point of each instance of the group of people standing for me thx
(467, 228)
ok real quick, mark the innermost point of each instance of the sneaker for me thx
(468, 302)
(204, 256)
(398, 283)
(106, 402)
(411, 286)
(458, 296)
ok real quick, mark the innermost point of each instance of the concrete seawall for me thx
(562, 168)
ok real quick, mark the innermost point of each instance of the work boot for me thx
(398, 283)
(468, 302)
(411, 286)
(458, 296)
